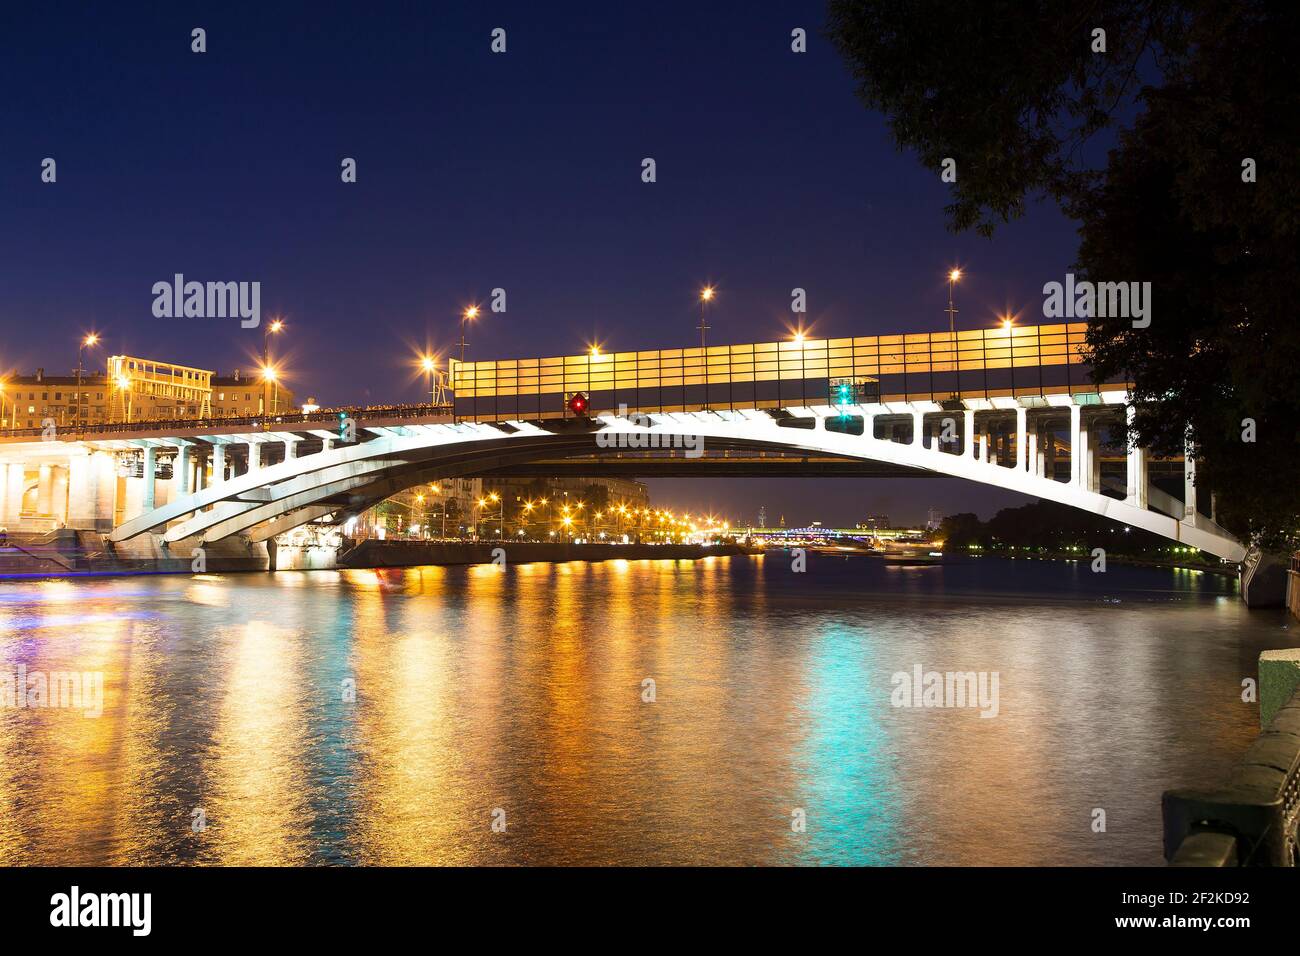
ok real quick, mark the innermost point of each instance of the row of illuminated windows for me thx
(974, 340)
(551, 384)
(837, 365)
(651, 378)
(848, 366)
(58, 396)
(628, 360)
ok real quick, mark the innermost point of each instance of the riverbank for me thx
(406, 554)
(923, 555)
(72, 554)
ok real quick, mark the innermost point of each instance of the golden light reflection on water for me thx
(524, 689)
(255, 794)
(412, 794)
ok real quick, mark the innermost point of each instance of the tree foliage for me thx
(1014, 91)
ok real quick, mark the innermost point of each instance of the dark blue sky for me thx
(475, 171)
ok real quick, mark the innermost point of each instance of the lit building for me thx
(446, 508)
(248, 394)
(134, 389)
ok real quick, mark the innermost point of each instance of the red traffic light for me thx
(578, 403)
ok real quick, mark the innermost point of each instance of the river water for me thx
(483, 715)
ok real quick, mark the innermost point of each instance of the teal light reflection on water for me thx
(844, 766)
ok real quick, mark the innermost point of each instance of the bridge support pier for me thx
(91, 481)
(181, 470)
(150, 472)
(1076, 445)
(45, 489)
(1095, 458)
(1022, 437)
(15, 479)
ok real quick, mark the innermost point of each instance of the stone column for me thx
(45, 490)
(13, 499)
(181, 470)
(1189, 484)
(1076, 445)
(150, 473)
(1022, 437)
(1094, 459)
(968, 433)
(254, 455)
(218, 464)
(81, 506)
(918, 428)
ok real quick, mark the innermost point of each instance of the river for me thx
(729, 710)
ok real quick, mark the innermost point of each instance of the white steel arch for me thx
(270, 500)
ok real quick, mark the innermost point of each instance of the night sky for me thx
(475, 171)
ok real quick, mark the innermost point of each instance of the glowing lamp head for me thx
(954, 275)
(471, 312)
(707, 293)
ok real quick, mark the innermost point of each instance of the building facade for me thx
(133, 389)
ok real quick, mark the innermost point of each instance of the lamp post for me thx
(274, 327)
(465, 317)
(124, 386)
(269, 377)
(88, 341)
(953, 276)
(706, 296)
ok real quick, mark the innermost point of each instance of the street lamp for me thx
(465, 317)
(90, 340)
(124, 386)
(706, 296)
(274, 327)
(269, 377)
(953, 277)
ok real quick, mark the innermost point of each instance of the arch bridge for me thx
(812, 412)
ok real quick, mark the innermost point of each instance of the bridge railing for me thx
(77, 431)
(1253, 820)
